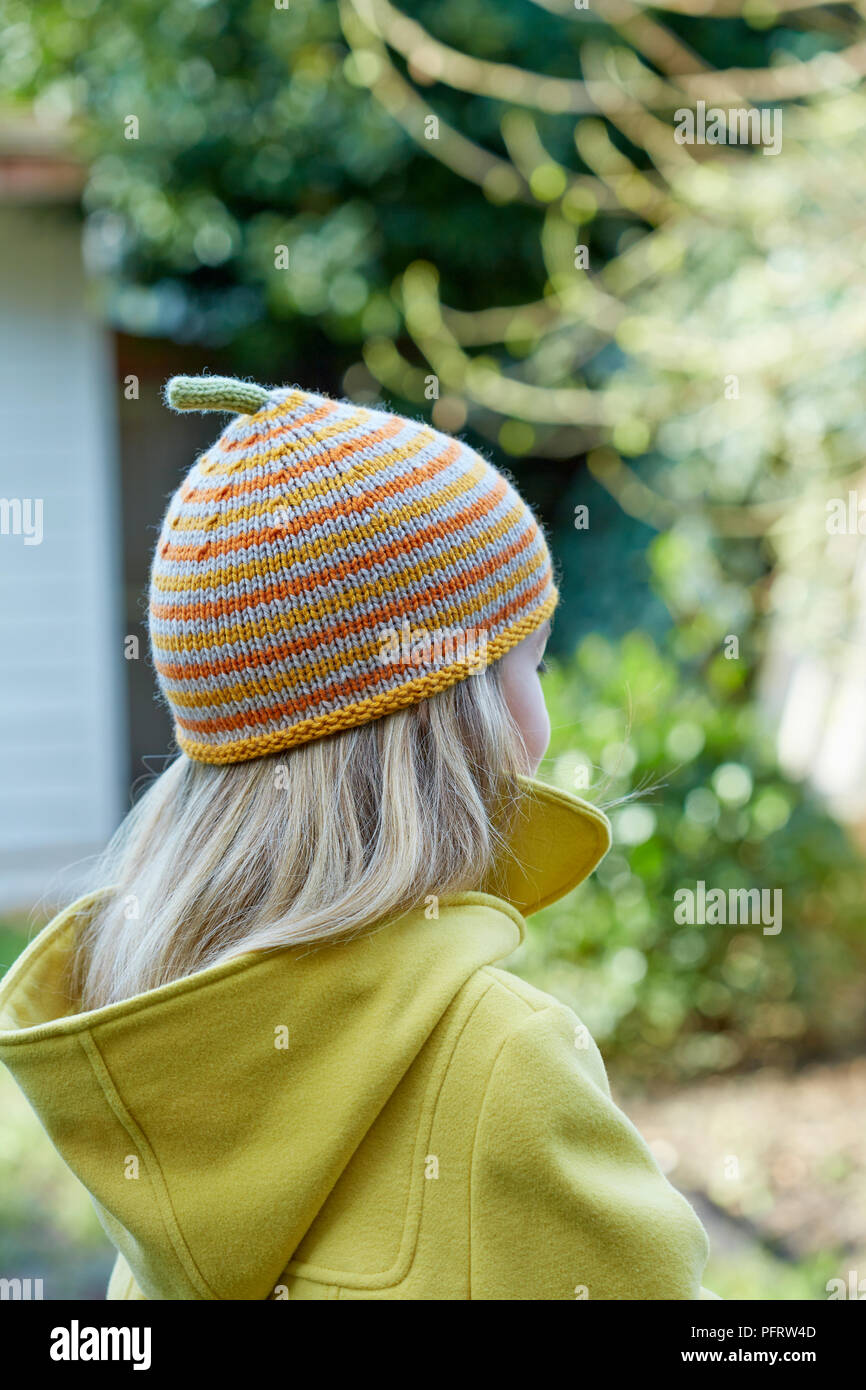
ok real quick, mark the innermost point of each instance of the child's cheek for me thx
(537, 735)
(525, 700)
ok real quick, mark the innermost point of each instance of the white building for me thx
(63, 754)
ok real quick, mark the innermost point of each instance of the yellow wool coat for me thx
(392, 1118)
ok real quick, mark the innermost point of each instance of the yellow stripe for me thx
(382, 523)
(204, 643)
(364, 711)
(325, 666)
(294, 398)
(297, 495)
(314, 612)
(226, 462)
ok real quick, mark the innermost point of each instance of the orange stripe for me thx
(298, 466)
(293, 588)
(350, 597)
(357, 686)
(350, 506)
(372, 529)
(344, 627)
(321, 412)
(294, 397)
(246, 492)
(329, 665)
(257, 629)
(361, 712)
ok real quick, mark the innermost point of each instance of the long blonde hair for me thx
(312, 845)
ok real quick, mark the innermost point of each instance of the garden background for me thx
(476, 213)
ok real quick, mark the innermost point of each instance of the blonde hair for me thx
(313, 845)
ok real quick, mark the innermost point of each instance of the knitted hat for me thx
(323, 564)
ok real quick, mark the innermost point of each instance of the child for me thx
(275, 1043)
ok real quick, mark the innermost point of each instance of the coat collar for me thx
(557, 841)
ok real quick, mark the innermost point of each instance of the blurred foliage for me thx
(13, 938)
(796, 1184)
(391, 204)
(666, 1001)
(48, 1225)
(257, 129)
(758, 1276)
(431, 177)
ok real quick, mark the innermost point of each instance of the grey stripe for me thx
(286, 614)
(259, 675)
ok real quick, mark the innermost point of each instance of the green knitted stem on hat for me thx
(215, 393)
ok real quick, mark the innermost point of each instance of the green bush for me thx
(665, 1000)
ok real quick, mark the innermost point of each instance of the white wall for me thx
(62, 731)
(813, 681)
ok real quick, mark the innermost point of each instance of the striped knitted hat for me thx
(323, 564)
